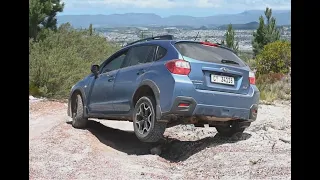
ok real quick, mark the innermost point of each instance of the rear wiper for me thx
(227, 61)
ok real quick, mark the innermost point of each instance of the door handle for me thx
(141, 71)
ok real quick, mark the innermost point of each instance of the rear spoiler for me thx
(218, 45)
(212, 44)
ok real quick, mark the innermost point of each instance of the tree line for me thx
(270, 53)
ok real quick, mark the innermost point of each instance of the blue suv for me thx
(160, 82)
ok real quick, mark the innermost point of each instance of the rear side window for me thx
(161, 52)
(140, 55)
(208, 53)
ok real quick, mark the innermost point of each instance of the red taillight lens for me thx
(178, 66)
(209, 44)
(252, 78)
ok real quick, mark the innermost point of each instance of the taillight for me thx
(178, 66)
(209, 44)
(252, 78)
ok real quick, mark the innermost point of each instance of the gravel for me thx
(110, 150)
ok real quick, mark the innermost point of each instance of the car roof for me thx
(164, 40)
(165, 43)
(158, 42)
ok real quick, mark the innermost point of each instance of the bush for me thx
(245, 55)
(269, 78)
(274, 58)
(62, 58)
(274, 86)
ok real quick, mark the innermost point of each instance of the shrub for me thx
(274, 58)
(269, 78)
(62, 58)
(245, 55)
(274, 86)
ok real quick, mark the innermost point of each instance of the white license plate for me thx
(222, 79)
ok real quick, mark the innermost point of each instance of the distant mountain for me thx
(148, 19)
(247, 26)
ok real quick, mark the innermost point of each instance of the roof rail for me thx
(163, 37)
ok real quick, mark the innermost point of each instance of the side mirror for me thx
(95, 69)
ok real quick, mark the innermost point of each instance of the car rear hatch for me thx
(214, 67)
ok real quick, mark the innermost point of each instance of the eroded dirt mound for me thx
(110, 150)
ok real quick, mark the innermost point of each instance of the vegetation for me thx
(274, 86)
(142, 35)
(266, 33)
(274, 58)
(61, 56)
(90, 30)
(230, 39)
(273, 66)
(42, 15)
(271, 60)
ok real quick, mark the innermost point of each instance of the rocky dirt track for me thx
(58, 151)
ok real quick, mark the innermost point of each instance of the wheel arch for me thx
(84, 100)
(156, 93)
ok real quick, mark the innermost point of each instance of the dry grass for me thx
(274, 87)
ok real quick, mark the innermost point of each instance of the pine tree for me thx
(141, 35)
(230, 39)
(266, 33)
(42, 15)
(90, 30)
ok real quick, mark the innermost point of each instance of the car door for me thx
(102, 87)
(139, 59)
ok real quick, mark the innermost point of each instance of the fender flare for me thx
(156, 92)
(84, 99)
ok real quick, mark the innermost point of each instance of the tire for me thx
(78, 120)
(146, 127)
(230, 130)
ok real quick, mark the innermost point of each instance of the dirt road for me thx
(58, 151)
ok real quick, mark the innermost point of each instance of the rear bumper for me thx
(216, 105)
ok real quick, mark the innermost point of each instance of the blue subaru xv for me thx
(160, 82)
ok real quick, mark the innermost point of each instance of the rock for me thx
(253, 162)
(265, 127)
(32, 98)
(68, 119)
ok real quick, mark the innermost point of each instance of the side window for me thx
(161, 52)
(114, 64)
(140, 55)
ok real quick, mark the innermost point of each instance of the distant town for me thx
(124, 35)
(129, 27)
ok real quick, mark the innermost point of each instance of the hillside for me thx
(247, 26)
(148, 19)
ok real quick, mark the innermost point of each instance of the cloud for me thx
(165, 4)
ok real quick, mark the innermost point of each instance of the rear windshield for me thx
(208, 53)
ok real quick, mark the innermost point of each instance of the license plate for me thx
(222, 79)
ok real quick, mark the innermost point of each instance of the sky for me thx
(164, 8)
